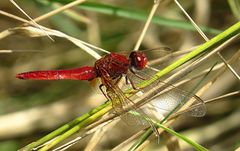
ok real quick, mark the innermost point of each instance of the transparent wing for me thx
(171, 102)
(166, 98)
(125, 107)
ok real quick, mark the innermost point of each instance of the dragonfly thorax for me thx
(113, 65)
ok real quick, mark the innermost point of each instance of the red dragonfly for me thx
(109, 68)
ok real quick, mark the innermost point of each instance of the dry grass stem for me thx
(34, 23)
(128, 142)
(98, 135)
(229, 66)
(206, 38)
(146, 26)
(34, 32)
(170, 56)
(58, 10)
(181, 73)
(18, 51)
(223, 96)
(68, 144)
(192, 21)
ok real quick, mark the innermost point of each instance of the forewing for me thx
(170, 99)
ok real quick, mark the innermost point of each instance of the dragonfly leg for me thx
(126, 80)
(103, 92)
(131, 82)
(137, 75)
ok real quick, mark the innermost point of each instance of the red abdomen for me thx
(83, 73)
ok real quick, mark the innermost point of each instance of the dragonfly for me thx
(110, 69)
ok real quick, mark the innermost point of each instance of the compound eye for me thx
(138, 60)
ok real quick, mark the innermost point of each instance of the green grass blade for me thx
(184, 138)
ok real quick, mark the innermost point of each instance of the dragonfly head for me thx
(138, 60)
